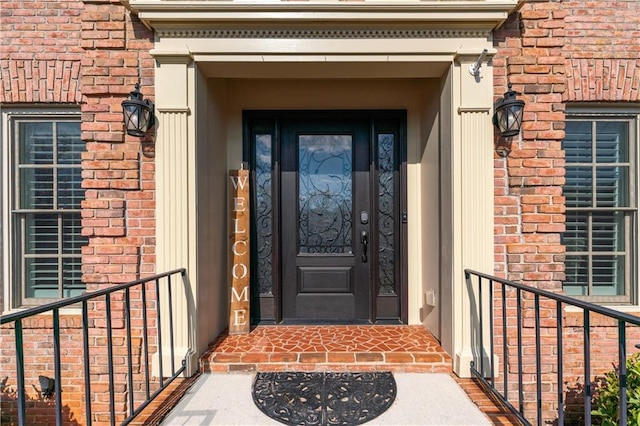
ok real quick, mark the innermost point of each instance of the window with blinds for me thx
(601, 217)
(46, 221)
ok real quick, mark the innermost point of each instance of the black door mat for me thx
(314, 398)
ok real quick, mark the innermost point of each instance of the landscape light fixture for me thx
(508, 114)
(138, 114)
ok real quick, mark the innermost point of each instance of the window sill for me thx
(73, 310)
(627, 309)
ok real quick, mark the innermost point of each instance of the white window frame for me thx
(12, 297)
(632, 116)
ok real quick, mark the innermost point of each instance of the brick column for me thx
(529, 178)
(118, 213)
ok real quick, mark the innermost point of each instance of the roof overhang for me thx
(477, 14)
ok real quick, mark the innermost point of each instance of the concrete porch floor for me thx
(222, 392)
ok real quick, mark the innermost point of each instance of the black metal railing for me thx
(127, 312)
(515, 326)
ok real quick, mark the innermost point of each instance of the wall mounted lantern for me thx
(138, 114)
(47, 386)
(508, 114)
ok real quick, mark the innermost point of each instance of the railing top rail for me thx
(83, 297)
(561, 298)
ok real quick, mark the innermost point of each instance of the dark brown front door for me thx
(328, 216)
(325, 215)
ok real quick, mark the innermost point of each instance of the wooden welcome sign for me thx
(239, 249)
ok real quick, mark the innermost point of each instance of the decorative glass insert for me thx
(264, 212)
(600, 208)
(47, 222)
(386, 213)
(325, 191)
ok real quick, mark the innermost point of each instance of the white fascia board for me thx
(193, 12)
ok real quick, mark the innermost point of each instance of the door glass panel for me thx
(386, 213)
(264, 212)
(325, 193)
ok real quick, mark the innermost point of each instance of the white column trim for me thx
(175, 197)
(473, 202)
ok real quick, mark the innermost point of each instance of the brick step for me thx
(419, 362)
(327, 348)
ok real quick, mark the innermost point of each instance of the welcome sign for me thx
(239, 248)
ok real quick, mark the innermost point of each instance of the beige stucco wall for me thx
(410, 94)
(211, 209)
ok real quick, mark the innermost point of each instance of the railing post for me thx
(127, 318)
(505, 357)
(587, 366)
(481, 330)
(22, 411)
(622, 362)
(491, 335)
(56, 366)
(145, 340)
(112, 407)
(538, 360)
(87, 370)
(560, 358)
(159, 325)
(519, 318)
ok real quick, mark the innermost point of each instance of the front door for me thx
(325, 213)
(327, 216)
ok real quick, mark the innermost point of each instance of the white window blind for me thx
(46, 217)
(601, 207)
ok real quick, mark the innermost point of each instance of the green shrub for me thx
(607, 395)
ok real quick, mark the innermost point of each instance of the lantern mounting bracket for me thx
(474, 69)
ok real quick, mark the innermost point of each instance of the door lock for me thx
(364, 217)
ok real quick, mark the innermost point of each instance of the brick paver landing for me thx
(328, 348)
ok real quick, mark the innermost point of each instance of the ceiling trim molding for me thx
(322, 34)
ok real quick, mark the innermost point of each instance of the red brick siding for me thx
(555, 53)
(528, 192)
(118, 213)
(40, 63)
(40, 51)
(88, 54)
(119, 207)
(38, 360)
(602, 51)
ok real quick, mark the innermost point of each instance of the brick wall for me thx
(118, 211)
(40, 51)
(88, 54)
(602, 51)
(555, 53)
(40, 63)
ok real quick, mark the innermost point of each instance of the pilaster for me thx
(473, 199)
(175, 194)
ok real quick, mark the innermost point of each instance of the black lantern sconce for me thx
(47, 386)
(508, 114)
(138, 114)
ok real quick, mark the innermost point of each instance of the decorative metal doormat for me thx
(315, 398)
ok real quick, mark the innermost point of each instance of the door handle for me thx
(364, 239)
